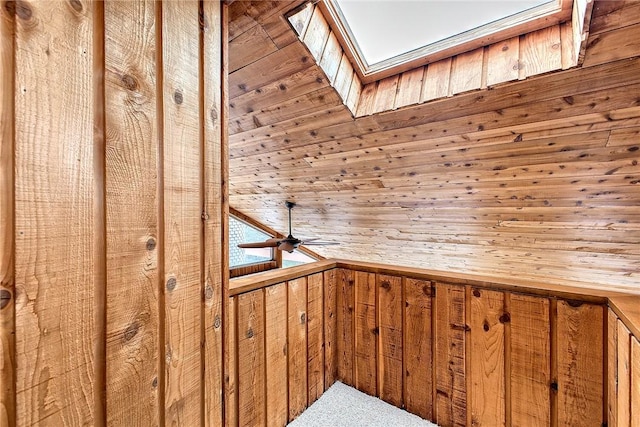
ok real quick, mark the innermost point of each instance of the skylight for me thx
(384, 29)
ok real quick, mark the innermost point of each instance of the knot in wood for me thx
(485, 326)
(214, 116)
(303, 318)
(171, 284)
(385, 285)
(131, 331)
(204, 216)
(426, 289)
(505, 318)
(151, 244)
(476, 293)
(154, 383)
(208, 292)
(177, 97)
(129, 82)
(19, 8)
(5, 298)
(217, 322)
(249, 333)
(76, 5)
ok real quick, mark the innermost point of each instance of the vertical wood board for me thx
(487, 346)
(366, 333)
(58, 288)
(345, 338)
(436, 81)
(276, 355)
(530, 360)
(251, 359)
(182, 210)
(418, 348)
(579, 357)
(635, 382)
(7, 229)
(466, 71)
(131, 186)
(390, 341)
(502, 61)
(297, 346)
(330, 328)
(315, 338)
(612, 364)
(450, 371)
(624, 375)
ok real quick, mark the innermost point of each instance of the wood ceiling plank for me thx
(249, 47)
(280, 64)
(331, 57)
(502, 60)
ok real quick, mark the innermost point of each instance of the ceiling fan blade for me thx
(271, 243)
(286, 246)
(316, 242)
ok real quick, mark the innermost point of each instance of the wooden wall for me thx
(534, 178)
(623, 349)
(467, 355)
(457, 350)
(112, 205)
(282, 349)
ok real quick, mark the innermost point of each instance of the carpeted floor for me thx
(344, 406)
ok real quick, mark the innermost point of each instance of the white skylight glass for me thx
(384, 28)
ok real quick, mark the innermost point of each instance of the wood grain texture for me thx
(502, 61)
(450, 371)
(315, 337)
(316, 35)
(297, 346)
(231, 407)
(331, 57)
(635, 382)
(7, 229)
(131, 180)
(57, 283)
(466, 71)
(344, 78)
(182, 211)
(623, 413)
(540, 52)
(390, 341)
(612, 368)
(487, 347)
(345, 281)
(418, 348)
(437, 80)
(276, 355)
(386, 94)
(530, 352)
(251, 359)
(580, 358)
(330, 290)
(365, 333)
(409, 87)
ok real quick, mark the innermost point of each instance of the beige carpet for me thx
(344, 406)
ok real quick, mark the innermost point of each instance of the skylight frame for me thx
(521, 23)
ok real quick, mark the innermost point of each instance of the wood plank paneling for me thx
(530, 352)
(418, 348)
(213, 253)
(409, 88)
(277, 386)
(580, 358)
(502, 61)
(390, 344)
(612, 366)
(365, 333)
(635, 382)
(540, 52)
(330, 290)
(623, 413)
(182, 210)
(345, 289)
(315, 337)
(297, 346)
(466, 71)
(251, 359)
(437, 80)
(133, 318)
(58, 278)
(316, 35)
(7, 229)
(231, 391)
(487, 347)
(450, 371)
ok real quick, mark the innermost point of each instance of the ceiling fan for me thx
(288, 243)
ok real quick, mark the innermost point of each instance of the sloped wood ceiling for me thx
(536, 178)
